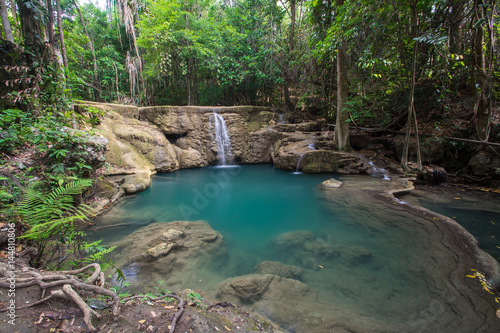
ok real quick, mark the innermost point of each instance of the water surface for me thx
(405, 274)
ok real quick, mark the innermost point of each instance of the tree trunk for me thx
(5, 22)
(412, 115)
(30, 26)
(50, 29)
(96, 84)
(455, 32)
(61, 33)
(191, 81)
(292, 25)
(341, 124)
(482, 107)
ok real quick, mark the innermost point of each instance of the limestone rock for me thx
(485, 163)
(244, 289)
(354, 255)
(277, 268)
(173, 251)
(321, 249)
(331, 183)
(293, 238)
(160, 250)
(171, 234)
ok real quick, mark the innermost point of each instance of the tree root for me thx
(67, 284)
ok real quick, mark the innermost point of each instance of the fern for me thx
(52, 215)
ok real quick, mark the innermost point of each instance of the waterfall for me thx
(298, 164)
(378, 172)
(310, 146)
(281, 118)
(219, 132)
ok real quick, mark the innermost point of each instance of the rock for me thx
(138, 182)
(173, 251)
(171, 234)
(244, 289)
(432, 175)
(485, 163)
(433, 149)
(160, 250)
(331, 183)
(293, 238)
(277, 268)
(209, 237)
(354, 255)
(320, 249)
(298, 147)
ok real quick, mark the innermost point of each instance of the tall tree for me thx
(484, 15)
(61, 33)
(341, 124)
(5, 22)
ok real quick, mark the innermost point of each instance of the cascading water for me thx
(378, 172)
(310, 146)
(220, 135)
(281, 118)
(298, 164)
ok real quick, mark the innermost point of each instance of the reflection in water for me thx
(360, 252)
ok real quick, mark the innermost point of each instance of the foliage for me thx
(110, 52)
(51, 216)
(14, 129)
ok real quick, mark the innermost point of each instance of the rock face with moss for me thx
(191, 130)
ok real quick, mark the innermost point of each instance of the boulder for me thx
(331, 183)
(244, 289)
(171, 234)
(277, 268)
(160, 250)
(320, 249)
(293, 238)
(173, 251)
(354, 255)
(485, 163)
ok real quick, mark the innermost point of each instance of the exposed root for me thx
(66, 285)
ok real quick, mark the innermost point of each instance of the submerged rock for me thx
(292, 305)
(160, 250)
(173, 251)
(293, 238)
(354, 255)
(172, 234)
(277, 268)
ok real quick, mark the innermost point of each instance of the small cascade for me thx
(378, 172)
(298, 164)
(220, 135)
(281, 118)
(310, 146)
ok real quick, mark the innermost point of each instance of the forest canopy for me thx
(284, 54)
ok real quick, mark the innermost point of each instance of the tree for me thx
(61, 33)
(5, 22)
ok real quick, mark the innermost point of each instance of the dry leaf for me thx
(142, 321)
